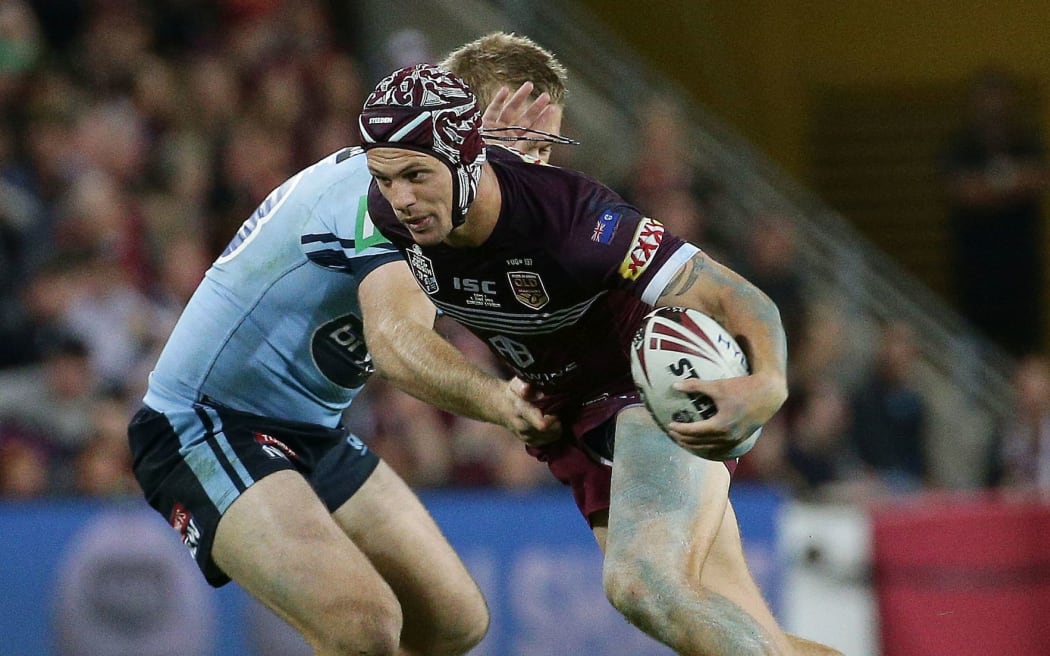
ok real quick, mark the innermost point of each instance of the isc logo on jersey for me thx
(644, 244)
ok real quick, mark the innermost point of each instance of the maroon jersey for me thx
(559, 288)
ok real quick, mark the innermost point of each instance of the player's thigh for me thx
(666, 505)
(391, 526)
(278, 541)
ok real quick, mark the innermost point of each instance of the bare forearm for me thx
(399, 330)
(419, 361)
(754, 318)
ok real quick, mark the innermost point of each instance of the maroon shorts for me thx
(585, 463)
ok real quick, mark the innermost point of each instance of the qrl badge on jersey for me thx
(646, 240)
(528, 289)
(422, 269)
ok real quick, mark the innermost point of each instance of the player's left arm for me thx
(746, 403)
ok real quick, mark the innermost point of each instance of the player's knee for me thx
(629, 592)
(463, 624)
(471, 625)
(363, 627)
(464, 635)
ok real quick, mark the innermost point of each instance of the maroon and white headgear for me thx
(428, 109)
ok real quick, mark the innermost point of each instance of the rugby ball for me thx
(673, 344)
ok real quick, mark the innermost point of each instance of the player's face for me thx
(419, 188)
(550, 122)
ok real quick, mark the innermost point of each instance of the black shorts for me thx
(193, 463)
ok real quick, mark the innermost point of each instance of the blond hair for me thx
(502, 59)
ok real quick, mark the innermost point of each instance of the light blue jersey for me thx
(274, 329)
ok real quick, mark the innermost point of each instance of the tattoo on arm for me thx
(746, 296)
(686, 275)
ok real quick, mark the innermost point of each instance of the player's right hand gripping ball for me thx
(674, 344)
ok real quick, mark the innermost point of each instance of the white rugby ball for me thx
(673, 344)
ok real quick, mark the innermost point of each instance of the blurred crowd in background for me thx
(136, 137)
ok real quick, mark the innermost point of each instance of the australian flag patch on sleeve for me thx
(605, 228)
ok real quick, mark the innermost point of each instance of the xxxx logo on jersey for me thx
(646, 240)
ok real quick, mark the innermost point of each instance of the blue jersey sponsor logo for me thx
(339, 351)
